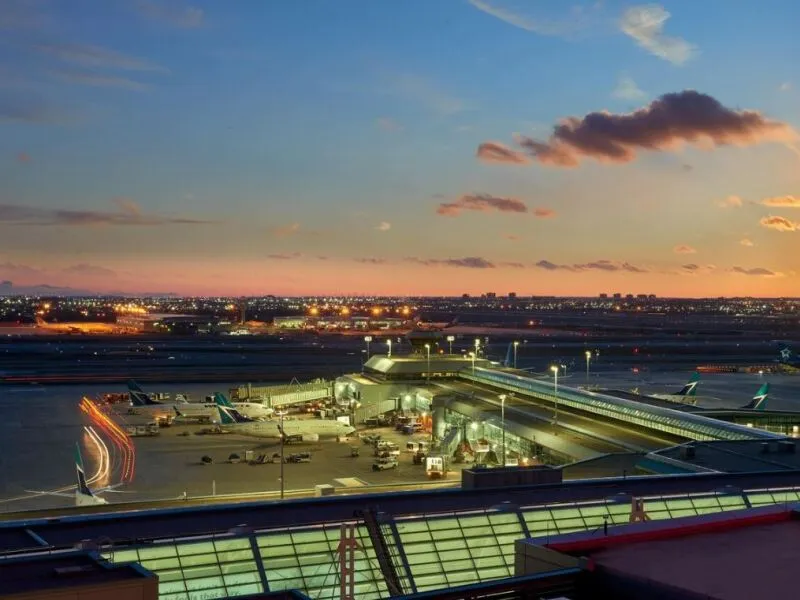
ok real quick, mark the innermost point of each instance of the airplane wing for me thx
(112, 488)
(41, 493)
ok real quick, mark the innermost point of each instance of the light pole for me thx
(389, 343)
(477, 346)
(503, 424)
(367, 339)
(428, 369)
(283, 437)
(565, 369)
(450, 340)
(588, 358)
(554, 369)
(515, 353)
(472, 356)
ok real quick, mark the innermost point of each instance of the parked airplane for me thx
(686, 395)
(83, 495)
(141, 402)
(305, 429)
(250, 410)
(759, 401)
(77, 327)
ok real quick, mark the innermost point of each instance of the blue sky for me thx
(305, 146)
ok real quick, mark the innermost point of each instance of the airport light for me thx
(516, 344)
(450, 340)
(389, 343)
(283, 437)
(588, 358)
(477, 346)
(367, 339)
(554, 369)
(565, 369)
(428, 369)
(503, 424)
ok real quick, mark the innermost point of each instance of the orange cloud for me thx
(779, 223)
(668, 123)
(756, 271)
(598, 265)
(285, 230)
(731, 202)
(782, 202)
(495, 152)
(694, 269)
(469, 262)
(544, 213)
(746, 242)
(684, 249)
(481, 203)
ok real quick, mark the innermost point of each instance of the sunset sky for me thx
(401, 147)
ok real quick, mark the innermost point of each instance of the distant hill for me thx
(7, 288)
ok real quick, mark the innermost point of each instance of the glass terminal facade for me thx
(428, 551)
(685, 425)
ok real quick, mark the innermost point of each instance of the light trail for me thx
(103, 474)
(119, 437)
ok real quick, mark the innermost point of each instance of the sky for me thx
(414, 147)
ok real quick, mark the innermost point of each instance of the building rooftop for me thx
(418, 364)
(735, 555)
(27, 574)
(741, 456)
(443, 538)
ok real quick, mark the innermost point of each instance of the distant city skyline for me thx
(409, 148)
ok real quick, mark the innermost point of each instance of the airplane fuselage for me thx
(271, 429)
(253, 410)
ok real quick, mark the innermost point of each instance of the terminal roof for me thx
(418, 363)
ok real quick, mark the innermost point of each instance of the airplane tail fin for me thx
(759, 401)
(690, 389)
(221, 400)
(787, 355)
(230, 416)
(40, 321)
(83, 487)
(137, 395)
(509, 361)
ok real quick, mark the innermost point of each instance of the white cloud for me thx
(627, 89)
(577, 20)
(645, 24)
(384, 226)
(785, 86)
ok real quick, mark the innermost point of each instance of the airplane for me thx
(250, 410)
(141, 402)
(83, 495)
(83, 328)
(305, 429)
(759, 401)
(686, 395)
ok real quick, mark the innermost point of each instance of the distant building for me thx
(512, 295)
(603, 296)
(617, 296)
(293, 322)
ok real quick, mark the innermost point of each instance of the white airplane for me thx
(305, 429)
(250, 410)
(140, 402)
(83, 495)
(686, 395)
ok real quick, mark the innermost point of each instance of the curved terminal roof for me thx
(418, 364)
(689, 425)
